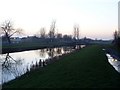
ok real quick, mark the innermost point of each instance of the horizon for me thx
(97, 19)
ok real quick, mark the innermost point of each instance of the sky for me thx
(96, 18)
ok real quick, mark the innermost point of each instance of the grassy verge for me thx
(86, 68)
(31, 46)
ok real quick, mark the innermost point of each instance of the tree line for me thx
(7, 30)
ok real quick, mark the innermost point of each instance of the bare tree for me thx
(52, 30)
(115, 35)
(116, 40)
(42, 33)
(76, 32)
(8, 31)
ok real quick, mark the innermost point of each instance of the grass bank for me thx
(18, 47)
(86, 68)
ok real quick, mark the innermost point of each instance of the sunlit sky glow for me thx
(96, 18)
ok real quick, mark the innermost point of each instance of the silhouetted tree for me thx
(76, 32)
(52, 30)
(59, 36)
(8, 30)
(42, 33)
(116, 40)
(115, 35)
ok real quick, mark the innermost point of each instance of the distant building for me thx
(119, 17)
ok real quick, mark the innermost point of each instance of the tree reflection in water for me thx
(41, 53)
(47, 56)
(51, 52)
(10, 67)
(59, 51)
(55, 52)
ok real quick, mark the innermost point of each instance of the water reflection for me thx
(16, 64)
(42, 53)
(10, 66)
(114, 62)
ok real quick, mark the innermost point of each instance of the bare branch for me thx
(7, 28)
(42, 32)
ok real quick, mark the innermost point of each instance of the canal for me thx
(17, 64)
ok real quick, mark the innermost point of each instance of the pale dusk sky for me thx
(96, 18)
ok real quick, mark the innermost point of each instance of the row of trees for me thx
(7, 30)
(54, 34)
(42, 32)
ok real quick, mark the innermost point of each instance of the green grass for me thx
(31, 46)
(24, 45)
(86, 68)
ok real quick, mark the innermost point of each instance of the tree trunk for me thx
(8, 38)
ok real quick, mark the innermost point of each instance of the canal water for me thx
(114, 60)
(17, 64)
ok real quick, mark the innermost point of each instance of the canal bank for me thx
(16, 64)
(10, 48)
(88, 67)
